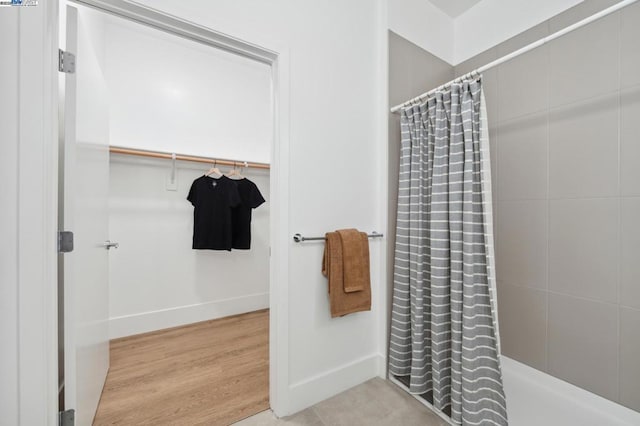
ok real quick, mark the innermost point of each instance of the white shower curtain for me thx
(444, 335)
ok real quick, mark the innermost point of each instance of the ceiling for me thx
(454, 8)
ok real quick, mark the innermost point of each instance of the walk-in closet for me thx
(177, 325)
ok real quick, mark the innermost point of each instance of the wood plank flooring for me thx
(210, 373)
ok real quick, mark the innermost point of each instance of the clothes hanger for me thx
(213, 170)
(235, 173)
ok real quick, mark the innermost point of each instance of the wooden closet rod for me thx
(182, 157)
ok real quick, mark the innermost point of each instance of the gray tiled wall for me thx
(565, 129)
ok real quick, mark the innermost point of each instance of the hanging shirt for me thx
(241, 214)
(213, 200)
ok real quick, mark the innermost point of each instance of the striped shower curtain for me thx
(444, 335)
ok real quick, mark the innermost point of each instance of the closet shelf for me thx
(183, 157)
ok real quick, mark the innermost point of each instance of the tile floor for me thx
(375, 402)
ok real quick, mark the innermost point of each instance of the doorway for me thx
(133, 200)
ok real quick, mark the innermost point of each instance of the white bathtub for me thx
(538, 399)
(535, 398)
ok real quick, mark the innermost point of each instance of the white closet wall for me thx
(156, 280)
(170, 94)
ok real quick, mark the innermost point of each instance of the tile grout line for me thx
(569, 295)
(619, 204)
(315, 411)
(562, 106)
(574, 198)
(548, 204)
(496, 228)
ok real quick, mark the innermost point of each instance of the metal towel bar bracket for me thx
(298, 238)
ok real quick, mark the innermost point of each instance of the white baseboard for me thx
(308, 392)
(382, 366)
(145, 322)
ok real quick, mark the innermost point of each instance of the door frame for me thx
(277, 57)
(28, 394)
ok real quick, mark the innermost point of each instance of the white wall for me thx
(171, 94)
(491, 22)
(9, 216)
(335, 149)
(487, 24)
(156, 280)
(425, 25)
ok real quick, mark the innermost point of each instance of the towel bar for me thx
(299, 238)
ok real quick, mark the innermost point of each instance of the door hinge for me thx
(67, 418)
(65, 241)
(66, 62)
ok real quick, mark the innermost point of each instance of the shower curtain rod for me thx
(183, 157)
(519, 52)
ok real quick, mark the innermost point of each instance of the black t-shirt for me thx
(241, 214)
(213, 200)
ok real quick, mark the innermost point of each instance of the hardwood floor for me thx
(210, 373)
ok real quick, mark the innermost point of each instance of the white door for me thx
(86, 182)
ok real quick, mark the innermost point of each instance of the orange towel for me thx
(353, 260)
(346, 265)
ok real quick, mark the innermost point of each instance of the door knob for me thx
(108, 245)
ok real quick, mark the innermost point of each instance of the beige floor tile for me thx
(265, 418)
(411, 417)
(376, 402)
(306, 417)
